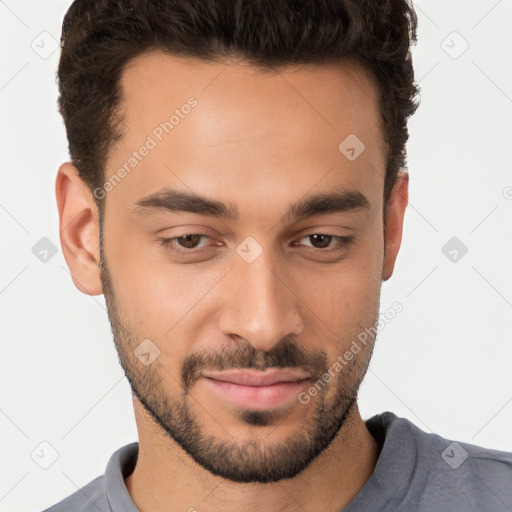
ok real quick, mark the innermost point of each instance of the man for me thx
(237, 190)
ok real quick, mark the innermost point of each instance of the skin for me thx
(258, 142)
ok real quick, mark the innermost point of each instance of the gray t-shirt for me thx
(415, 472)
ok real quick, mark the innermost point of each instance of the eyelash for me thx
(344, 242)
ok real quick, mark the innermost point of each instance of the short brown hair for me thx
(99, 37)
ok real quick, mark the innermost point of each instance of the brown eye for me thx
(322, 240)
(189, 241)
(185, 244)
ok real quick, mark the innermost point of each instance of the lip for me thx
(254, 390)
(257, 377)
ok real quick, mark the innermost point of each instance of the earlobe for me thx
(79, 229)
(397, 205)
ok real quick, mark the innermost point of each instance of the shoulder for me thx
(478, 477)
(450, 471)
(452, 455)
(105, 490)
(89, 498)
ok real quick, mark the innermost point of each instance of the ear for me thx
(79, 229)
(395, 212)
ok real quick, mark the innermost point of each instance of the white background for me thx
(444, 362)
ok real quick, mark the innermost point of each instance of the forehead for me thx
(247, 127)
(234, 88)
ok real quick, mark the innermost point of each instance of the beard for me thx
(255, 460)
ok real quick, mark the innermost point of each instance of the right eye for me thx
(187, 243)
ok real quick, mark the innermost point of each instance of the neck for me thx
(166, 478)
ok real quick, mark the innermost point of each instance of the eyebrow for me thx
(338, 201)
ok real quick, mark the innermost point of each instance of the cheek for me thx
(341, 307)
(343, 302)
(157, 297)
(345, 290)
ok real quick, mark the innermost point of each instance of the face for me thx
(244, 238)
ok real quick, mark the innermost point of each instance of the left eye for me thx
(186, 244)
(324, 240)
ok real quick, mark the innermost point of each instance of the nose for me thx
(259, 304)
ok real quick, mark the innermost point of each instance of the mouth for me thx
(258, 378)
(255, 389)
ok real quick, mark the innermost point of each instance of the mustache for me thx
(286, 354)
